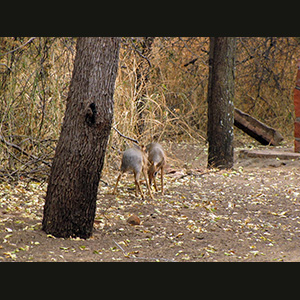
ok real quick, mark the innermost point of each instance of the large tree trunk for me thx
(72, 189)
(220, 102)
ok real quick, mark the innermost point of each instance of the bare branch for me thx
(140, 54)
(124, 136)
(14, 50)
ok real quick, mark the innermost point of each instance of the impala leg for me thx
(115, 189)
(148, 186)
(154, 181)
(162, 179)
(137, 185)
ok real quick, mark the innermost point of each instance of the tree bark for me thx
(220, 102)
(142, 77)
(70, 202)
(297, 111)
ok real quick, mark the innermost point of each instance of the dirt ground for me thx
(250, 213)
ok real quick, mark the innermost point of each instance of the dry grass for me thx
(34, 87)
(172, 100)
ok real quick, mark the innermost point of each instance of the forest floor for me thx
(250, 213)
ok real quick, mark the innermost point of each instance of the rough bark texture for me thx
(72, 189)
(220, 102)
(297, 110)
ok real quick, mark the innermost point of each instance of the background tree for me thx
(220, 102)
(72, 189)
(143, 50)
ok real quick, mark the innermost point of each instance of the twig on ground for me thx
(127, 254)
(199, 174)
(120, 248)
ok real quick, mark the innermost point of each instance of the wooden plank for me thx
(269, 154)
(261, 132)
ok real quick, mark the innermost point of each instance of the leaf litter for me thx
(250, 213)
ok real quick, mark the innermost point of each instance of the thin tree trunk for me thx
(72, 189)
(142, 77)
(220, 102)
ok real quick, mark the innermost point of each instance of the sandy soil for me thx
(250, 213)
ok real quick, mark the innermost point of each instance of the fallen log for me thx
(256, 129)
(280, 154)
